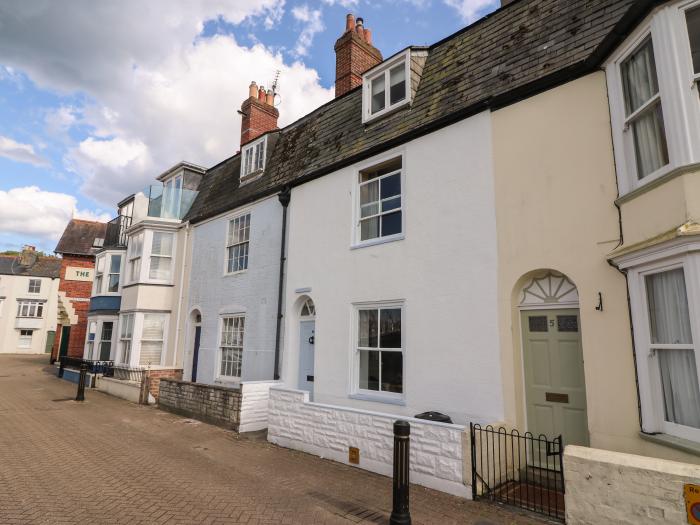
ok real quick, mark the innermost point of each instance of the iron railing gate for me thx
(518, 469)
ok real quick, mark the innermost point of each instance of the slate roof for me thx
(524, 48)
(79, 237)
(43, 267)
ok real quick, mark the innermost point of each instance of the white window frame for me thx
(99, 274)
(383, 70)
(356, 235)
(90, 344)
(230, 244)
(100, 341)
(253, 159)
(135, 257)
(376, 395)
(34, 309)
(678, 91)
(151, 256)
(108, 272)
(650, 389)
(220, 348)
(29, 287)
(23, 338)
(125, 338)
(142, 320)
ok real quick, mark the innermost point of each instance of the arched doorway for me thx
(555, 388)
(307, 331)
(196, 323)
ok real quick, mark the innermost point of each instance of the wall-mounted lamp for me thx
(600, 302)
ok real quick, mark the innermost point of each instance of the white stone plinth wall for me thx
(254, 405)
(328, 431)
(611, 488)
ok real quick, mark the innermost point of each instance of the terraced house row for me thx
(457, 231)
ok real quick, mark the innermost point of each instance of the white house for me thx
(28, 302)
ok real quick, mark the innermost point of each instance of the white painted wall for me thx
(253, 292)
(436, 449)
(14, 287)
(444, 271)
(611, 488)
(255, 396)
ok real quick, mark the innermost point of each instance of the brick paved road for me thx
(110, 461)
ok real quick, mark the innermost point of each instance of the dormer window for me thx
(253, 158)
(387, 86)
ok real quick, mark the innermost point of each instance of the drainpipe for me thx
(181, 293)
(284, 197)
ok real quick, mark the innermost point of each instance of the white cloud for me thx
(348, 4)
(471, 10)
(155, 92)
(19, 152)
(31, 212)
(312, 24)
(61, 119)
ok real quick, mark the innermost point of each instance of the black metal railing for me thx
(115, 236)
(93, 366)
(518, 469)
(125, 373)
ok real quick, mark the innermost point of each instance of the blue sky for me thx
(98, 98)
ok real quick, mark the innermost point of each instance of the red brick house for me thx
(77, 247)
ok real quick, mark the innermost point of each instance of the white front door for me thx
(306, 355)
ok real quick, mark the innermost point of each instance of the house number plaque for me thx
(556, 398)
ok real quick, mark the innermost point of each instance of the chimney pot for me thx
(368, 36)
(262, 94)
(270, 98)
(253, 90)
(258, 113)
(360, 21)
(349, 22)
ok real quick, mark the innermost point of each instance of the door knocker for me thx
(311, 340)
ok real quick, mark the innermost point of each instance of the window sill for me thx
(147, 283)
(378, 398)
(684, 445)
(652, 181)
(371, 118)
(250, 177)
(379, 240)
(232, 274)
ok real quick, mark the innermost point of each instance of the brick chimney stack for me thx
(259, 113)
(28, 256)
(354, 54)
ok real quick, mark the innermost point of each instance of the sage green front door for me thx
(555, 387)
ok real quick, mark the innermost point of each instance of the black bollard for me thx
(400, 514)
(60, 368)
(81, 383)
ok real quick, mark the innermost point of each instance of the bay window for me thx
(90, 346)
(135, 252)
(643, 112)
(99, 272)
(152, 337)
(237, 244)
(106, 340)
(653, 84)
(115, 263)
(379, 350)
(161, 256)
(30, 309)
(231, 346)
(126, 335)
(671, 343)
(664, 289)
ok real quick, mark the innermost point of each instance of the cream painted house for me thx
(28, 302)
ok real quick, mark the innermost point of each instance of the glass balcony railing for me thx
(169, 203)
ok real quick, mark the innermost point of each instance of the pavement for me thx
(106, 460)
